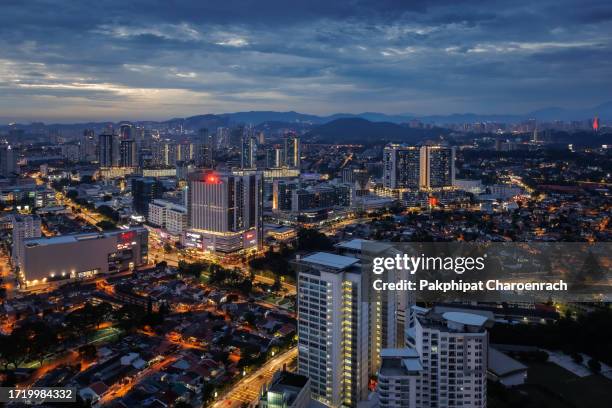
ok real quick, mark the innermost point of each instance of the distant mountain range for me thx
(291, 118)
(358, 130)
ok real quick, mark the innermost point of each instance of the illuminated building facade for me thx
(225, 211)
(333, 329)
(82, 256)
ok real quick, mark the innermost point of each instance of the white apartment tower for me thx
(444, 364)
(399, 378)
(333, 329)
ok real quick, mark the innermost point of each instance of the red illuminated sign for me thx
(212, 178)
(126, 237)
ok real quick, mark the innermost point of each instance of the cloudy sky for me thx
(144, 59)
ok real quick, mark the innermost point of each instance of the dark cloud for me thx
(156, 59)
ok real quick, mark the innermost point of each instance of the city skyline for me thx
(153, 62)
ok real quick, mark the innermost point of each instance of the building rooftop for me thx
(468, 319)
(65, 239)
(501, 364)
(330, 260)
(353, 244)
(400, 362)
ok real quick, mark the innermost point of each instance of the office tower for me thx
(165, 154)
(282, 194)
(206, 149)
(286, 390)
(248, 149)
(145, 190)
(128, 156)
(333, 328)
(83, 256)
(401, 166)
(126, 131)
(147, 139)
(184, 151)
(399, 378)
(24, 227)
(87, 146)
(106, 150)
(453, 350)
(292, 150)
(437, 167)
(275, 157)
(223, 138)
(225, 211)
(203, 155)
(145, 157)
(8, 161)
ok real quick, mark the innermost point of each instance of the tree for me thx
(101, 312)
(577, 357)
(594, 365)
(72, 194)
(88, 352)
(106, 225)
(277, 283)
(108, 212)
(310, 240)
(591, 270)
(250, 318)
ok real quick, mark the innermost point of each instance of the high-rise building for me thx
(205, 151)
(223, 138)
(333, 328)
(24, 227)
(399, 378)
(248, 150)
(225, 211)
(87, 146)
(126, 131)
(165, 153)
(452, 348)
(437, 167)
(292, 150)
(106, 149)
(145, 190)
(282, 194)
(401, 166)
(413, 167)
(8, 161)
(275, 157)
(128, 153)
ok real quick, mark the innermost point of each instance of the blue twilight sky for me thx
(144, 59)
